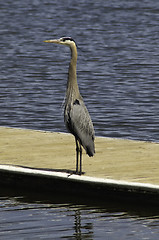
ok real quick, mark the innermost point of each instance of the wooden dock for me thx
(117, 161)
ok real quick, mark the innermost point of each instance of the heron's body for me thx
(76, 116)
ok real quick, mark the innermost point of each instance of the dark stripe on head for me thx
(67, 38)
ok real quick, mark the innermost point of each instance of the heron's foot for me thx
(79, 173)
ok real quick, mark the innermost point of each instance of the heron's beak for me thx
(53, 41)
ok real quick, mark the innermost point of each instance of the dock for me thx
(47, 160)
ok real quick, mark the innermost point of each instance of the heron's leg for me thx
(80, 159)
(77, 153)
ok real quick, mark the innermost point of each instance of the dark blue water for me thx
(118, 67)
(26, 217)
(118, 76)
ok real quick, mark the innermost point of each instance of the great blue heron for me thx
(76, 116)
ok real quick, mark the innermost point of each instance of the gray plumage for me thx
(76, 116)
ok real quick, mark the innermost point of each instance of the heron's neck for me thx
(72, 86)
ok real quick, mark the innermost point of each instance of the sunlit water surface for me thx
(118, 75)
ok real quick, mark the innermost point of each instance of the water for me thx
(118, 77)
(26, 217)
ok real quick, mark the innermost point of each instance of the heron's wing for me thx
(80, 124)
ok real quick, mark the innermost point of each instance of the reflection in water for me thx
(78, 225)
(58, 217)
(82, 231)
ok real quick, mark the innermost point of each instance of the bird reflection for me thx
(77, 224)
(82, 231)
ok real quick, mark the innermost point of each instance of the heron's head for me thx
(64, 40)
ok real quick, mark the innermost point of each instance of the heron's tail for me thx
(90, 151)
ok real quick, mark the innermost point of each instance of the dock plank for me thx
(119, 159)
